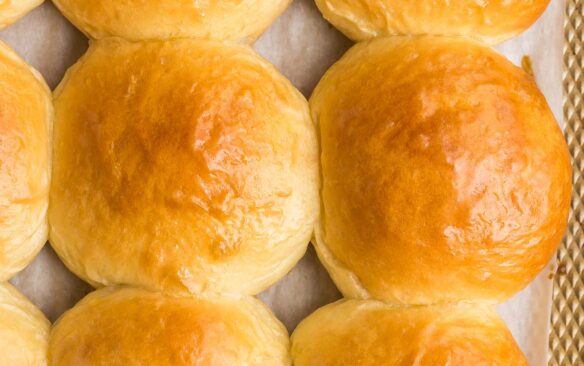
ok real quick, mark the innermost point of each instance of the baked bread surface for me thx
(13, 10)
(445, 175)
(370, 333)
(490, 21)
(126, 327)
(184, 166)
(25, 156)
(237, 20)
(24, 330)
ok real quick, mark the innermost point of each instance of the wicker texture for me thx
(567, 332)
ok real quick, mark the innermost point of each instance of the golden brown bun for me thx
(370, 333)
(163, 19)
(24, 330)
(445, 175)
(25, 126)
(134, 327)
(491, 21)
(13, 10)
(181, 165)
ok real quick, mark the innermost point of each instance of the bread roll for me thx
(24, 330)
(163, 19)
(13, 10)
(25, 127)
(445, 175)
(129, 327)
(182, 166)
(491, 21)
(369, 333)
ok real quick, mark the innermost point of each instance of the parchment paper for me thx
(302, 45)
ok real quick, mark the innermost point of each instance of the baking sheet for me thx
(567, 333)
(302, 45)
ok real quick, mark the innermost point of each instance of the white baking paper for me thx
(302, 45)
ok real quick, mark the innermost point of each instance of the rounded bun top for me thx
(370, 333)
(24, 330)
(445, 175)
(25, 129)
(13, 10)
(491, 21)
(238, 20)
(181, 165)
(130, 327)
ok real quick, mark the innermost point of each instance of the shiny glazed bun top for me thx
(131, 327)
(24, 330)
(445, 175)
(181, 165)
(13, 10)
(163, 19)
(370, 333)
(26, 116)
(491, 21)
